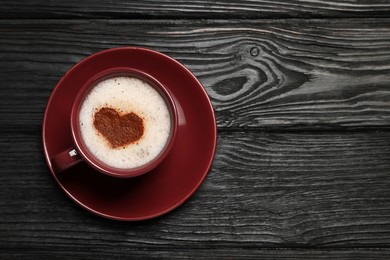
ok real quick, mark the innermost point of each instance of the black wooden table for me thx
(301, 91)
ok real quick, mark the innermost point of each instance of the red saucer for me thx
(175, 179)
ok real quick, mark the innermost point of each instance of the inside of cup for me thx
(124, 122)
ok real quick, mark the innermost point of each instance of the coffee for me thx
(124, 122)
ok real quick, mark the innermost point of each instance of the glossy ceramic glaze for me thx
(168, 185)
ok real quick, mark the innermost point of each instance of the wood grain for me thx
(264, 74)
(204, 253)
(265, 190)
(193, 9)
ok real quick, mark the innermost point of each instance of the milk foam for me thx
(126, 94)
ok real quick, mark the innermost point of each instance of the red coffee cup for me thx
(79, 152)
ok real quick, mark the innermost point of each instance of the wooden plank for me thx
(265, 190)
(194, 9)
(263, 74)
(203, 253)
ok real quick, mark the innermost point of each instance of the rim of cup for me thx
(80, 146)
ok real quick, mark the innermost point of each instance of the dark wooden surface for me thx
(302, 168)
(194, 9)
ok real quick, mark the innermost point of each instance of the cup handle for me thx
(66, 159)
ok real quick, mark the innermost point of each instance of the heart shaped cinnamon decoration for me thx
(119, 130)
